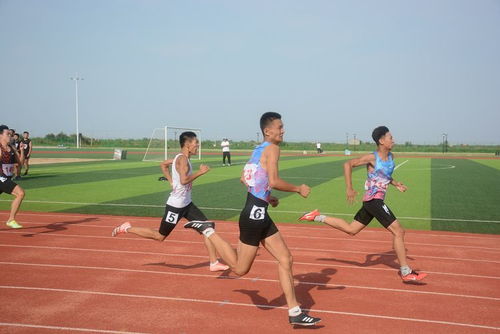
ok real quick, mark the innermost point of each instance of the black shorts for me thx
(7, 185)
(173, 215)
(375, 208)
(255, 223)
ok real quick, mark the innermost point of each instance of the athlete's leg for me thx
(338, 223)
(27, 165)
(212, 252)
(239, 262)
(18, 194)
(398, 242)
(146, 232)
(277, 247)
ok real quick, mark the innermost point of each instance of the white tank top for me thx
(180, 196)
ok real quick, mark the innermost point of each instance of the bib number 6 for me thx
(258, 213)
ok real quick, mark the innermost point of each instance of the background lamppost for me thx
(76, 78)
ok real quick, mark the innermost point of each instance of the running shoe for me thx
(199, 225)
(121, 229)
(218, 267)
(309, 216)
(303, 320)
(13, 224)
(162, 178)
(413, 276)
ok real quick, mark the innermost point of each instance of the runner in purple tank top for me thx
(380, 166)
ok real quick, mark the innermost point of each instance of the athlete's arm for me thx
(166, 172)
(399, 185)
(30, 147)
(272, 154)
(182, 166)
(348, 167)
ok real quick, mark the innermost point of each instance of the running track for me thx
(65, 273)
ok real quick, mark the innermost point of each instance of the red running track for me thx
(65, 273)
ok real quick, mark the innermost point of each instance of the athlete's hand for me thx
(304, 190)
(401, 187)
(351, 195)
(274, 201)
(204, 169)
(168, 162)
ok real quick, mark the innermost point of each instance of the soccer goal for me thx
(164, 143)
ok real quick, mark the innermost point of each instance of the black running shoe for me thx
(303, 320)
(162, 178)
(199, 225)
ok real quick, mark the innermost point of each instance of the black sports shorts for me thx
(6, 185)
(375, 208)
(173, 215)
(255, 223)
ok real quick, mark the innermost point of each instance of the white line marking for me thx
(245, 279)
(73, 329)
(76, 224)
(199, 242)
(263, 261)
(401, 164)
(239, 209)
(207, 301)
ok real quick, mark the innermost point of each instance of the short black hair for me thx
(16, 134)
(267, 118)
(26, 132)
(185, 136)
(3, 127)
(378, 133)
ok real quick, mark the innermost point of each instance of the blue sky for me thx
(329, 67)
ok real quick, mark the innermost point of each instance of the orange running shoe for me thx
(309, 216)
(121, 229)
(413, 276)
(217, 266)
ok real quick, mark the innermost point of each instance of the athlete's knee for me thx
(19, 192)
(159, 237)
(240, 271)
(286, 261)
(397, 230)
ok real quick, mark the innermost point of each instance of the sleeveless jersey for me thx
(181, 194)
(379, 178)
(25, 144)
(7, 160)
(255, 176)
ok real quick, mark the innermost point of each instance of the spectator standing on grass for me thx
(318, 147)
(16, 143)
(8, 157)
(225, 152)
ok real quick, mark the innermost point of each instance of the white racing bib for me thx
(258, 213)
(8, 169)
(171, 217)
(249, 174)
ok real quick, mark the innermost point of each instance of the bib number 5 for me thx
(258, 213)
(171, 217)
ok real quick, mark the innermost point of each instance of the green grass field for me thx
(443, 194)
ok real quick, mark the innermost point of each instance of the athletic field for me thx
(453, 194)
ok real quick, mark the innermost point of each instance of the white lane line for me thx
(261, 261)
(208, 301)
(239, 209)
(401, 164)
(64, 226)
(331, 250)
(245, 279)
(60, 328)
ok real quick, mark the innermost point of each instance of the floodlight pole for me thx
(76, 78)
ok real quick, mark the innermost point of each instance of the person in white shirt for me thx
(318, 147)
(179, 204)
(225, 152)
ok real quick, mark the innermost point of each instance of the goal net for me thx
(164, 143)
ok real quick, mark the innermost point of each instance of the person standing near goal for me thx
(179, 204)
(256, 226)
(380, 166)
(225, 152)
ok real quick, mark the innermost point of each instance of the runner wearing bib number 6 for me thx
(179, 204)
(260, 175)
(8, 158)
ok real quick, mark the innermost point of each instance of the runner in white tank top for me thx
(181, 193)
(179, 204)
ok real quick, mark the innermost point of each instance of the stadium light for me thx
(76, 78)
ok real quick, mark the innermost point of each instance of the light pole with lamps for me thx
(76, 78)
